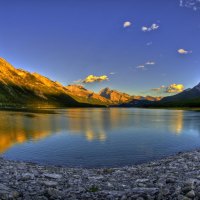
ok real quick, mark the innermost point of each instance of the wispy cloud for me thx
(183, 51)
(193, 4)
(155, 89)
(153, 27)
(79, 81)
(149, 43)
(127, 24)
(140, 67)
(158, 89)
(112, 73)
(144, 66)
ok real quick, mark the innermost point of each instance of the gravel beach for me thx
(174, 177)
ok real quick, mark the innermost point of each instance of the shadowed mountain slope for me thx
(187, 98)
(21, 88)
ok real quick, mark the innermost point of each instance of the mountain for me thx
(20, 88)
(122, 98)
(115, 96)
(81, 94)
(187, 98)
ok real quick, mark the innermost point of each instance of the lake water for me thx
(97, 137)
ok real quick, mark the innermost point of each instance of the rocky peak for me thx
(74, 88)
(114, 95)
(105, 91)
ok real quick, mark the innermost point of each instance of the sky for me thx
(137, 46)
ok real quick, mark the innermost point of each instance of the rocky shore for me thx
(175, 177)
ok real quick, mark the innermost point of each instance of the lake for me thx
(97, 137)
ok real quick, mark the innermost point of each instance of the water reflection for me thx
(176, 123)
(93, 124)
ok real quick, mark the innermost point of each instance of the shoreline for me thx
(173, 177)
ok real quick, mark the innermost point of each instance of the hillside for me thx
(187, 98)
(81, 94)
(19, 88)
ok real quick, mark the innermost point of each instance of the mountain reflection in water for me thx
(19, 127)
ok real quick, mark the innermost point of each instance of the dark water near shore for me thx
(97, 137)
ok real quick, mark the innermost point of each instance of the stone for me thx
(186, 198)
(50, 183)
(186, 189)
(141, 180)
(191, 194)
(27, 176)
(175, 177)
(4, 187)
(145, 190)
(53, 176)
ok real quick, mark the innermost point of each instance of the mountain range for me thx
(20, 88)
(188, 98)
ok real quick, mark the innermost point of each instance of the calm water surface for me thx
(97, 137)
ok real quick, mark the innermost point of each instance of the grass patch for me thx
(93, 189)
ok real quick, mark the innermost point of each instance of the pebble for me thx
(191, 194)
(50, 183)
(53, 176)
(175, 177)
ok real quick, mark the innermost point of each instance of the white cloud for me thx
(183, 51)
(175, 88)
(127, 24)
(153, 27)
(144, 28)
(150, 63)
(92, 79)
(112, 73)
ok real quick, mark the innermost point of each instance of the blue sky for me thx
(68, 40)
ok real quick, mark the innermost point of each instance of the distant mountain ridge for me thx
(118, 97)
(187, 98)
(20, 88)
